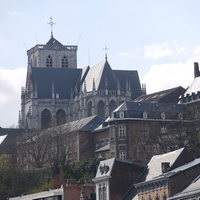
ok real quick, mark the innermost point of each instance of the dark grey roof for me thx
(180, 169)
(130, 76)
(64, 80)
(8, 138)
(105, 77)
(53, 41)
(85, 124)
(165, 96)
(192, 190)
(100, 74)
(136, 110)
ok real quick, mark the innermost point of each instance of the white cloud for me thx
(14, 13)
(10, 89)
(157, 51)
(166, 76)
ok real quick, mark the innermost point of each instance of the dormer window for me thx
(162, 115)
(64, 62)
(121, 115)
(145, 115)
(49, 62)
(180, 116)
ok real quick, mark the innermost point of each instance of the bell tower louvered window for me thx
(64, 62)
(49, 62)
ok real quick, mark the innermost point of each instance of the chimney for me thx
(165, 166)
(196, 69)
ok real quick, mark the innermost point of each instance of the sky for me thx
(158, 38)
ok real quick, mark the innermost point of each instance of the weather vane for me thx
(106, 49)
(51, 23)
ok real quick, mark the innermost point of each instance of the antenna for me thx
(89, 56)
(36, 38)
(78, 39)
(25, 45)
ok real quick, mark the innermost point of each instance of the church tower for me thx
(57, 92)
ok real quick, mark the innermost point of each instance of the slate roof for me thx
(154, 166)
(105, 77)
(136, 110)
(133, 78)
(53, 41)
(165, 96)
(180, 169)
(191, 190)
(84, 124)
(8, 138)
(101, 73)
(64, 80)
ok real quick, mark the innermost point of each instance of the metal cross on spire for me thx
(106, 49)
(51, 23)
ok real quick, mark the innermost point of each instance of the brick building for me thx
(173, 176)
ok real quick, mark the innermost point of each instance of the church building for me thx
(57, 92)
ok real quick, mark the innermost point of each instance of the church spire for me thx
(51, 23)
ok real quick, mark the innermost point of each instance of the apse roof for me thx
(104, 77)
(100, 74)
(64, 80)
(131, 77)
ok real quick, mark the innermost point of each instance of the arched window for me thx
(64, 62)
(49, 62)
(60, 117)
(45, 119)
(101, 109)
(89, 109)
(112, 106)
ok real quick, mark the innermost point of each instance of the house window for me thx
(64, 62)
(112, 133)
(122, 131)
(97, 145)
(157, 197)
(75, 146)
(122, 155)
(107, 141)
(104, 192)
(102, 143)
(122, 151)
(49, 62)
(146, 131)
(164, 196)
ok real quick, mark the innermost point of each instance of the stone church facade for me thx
(57, 92)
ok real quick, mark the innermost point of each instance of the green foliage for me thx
(81, 171)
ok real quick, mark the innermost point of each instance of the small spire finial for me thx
(106, 51)
(51, 23)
